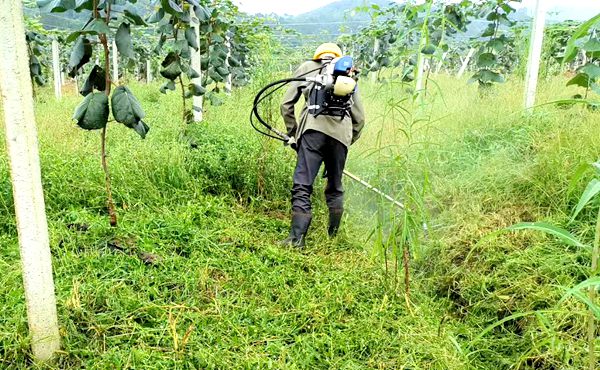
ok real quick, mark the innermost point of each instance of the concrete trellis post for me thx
(376, 48)
(535, 54)
(228, 82)
(56, 70)
(115, 63)
(148, 71)
(465, 64)
(22, 145)
(197, 66)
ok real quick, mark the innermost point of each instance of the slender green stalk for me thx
(592, 295)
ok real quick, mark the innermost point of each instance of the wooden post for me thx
(115, 63)
(465, 64)
(197, 101)
(535, 54)
(56, 70)
(22, 145)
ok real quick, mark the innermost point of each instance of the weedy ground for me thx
(193, 276)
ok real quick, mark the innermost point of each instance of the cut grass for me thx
(217, 292)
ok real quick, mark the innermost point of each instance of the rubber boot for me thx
(335, 218)
(300, 224)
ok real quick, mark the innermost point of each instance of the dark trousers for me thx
(316, 148)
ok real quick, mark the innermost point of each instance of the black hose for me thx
(259, 98)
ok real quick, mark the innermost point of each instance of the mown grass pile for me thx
(193, 277)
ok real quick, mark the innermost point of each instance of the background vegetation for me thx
(193, 277)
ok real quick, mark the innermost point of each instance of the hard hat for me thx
(327, 48)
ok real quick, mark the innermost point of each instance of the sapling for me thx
(93, 112)
(586, 41)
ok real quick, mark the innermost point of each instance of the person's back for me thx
(320, 139)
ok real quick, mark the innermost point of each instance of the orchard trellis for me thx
(205, 47)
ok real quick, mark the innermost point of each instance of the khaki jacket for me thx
(346, 131)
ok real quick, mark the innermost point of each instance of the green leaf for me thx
(486, 60)
(489, 31)
(183, 48)
(171, 7)
(575, 291)
(97, 26)
(196, 89)
(580, 171)
(73, 36)
(157, 17)
(215, 100)
(590, 192)
(134, 17)
(592, 70)
(498, 44)
(581, 79)
(214, 75)
(486, 76)
(217, 39)
(428, 49)
(92, 112)
(127, 110)
(562, 234)
(171, 66)
(202, 14)
(192, 73)
(581, 31)
(123, 41)
(169, 85)
(56, 6)
(592, 45)
(190, 36)
(96, 80)
(233, 62)
(80, 55)
(223, 71)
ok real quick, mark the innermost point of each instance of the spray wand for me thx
(279, 135)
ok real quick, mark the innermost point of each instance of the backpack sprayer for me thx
(330, 94)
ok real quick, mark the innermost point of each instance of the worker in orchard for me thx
(331, 120)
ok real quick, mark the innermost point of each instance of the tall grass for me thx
(221, 294)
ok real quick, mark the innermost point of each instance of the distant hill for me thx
(326, 23)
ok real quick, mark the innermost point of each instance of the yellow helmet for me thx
(327, 48)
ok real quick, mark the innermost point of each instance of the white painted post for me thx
(228, 82)
(148, 71)
(115, 63)
(441, 63)
(22, 146)
(376, 48)
(63, 78)
(56, 70)
(420, 73)
(465, 64)
(535, 54)
(197, 66)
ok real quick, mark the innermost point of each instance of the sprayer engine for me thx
(332, 92)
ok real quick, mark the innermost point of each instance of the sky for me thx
(570, 8)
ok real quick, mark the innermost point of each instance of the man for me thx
(320, 139)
